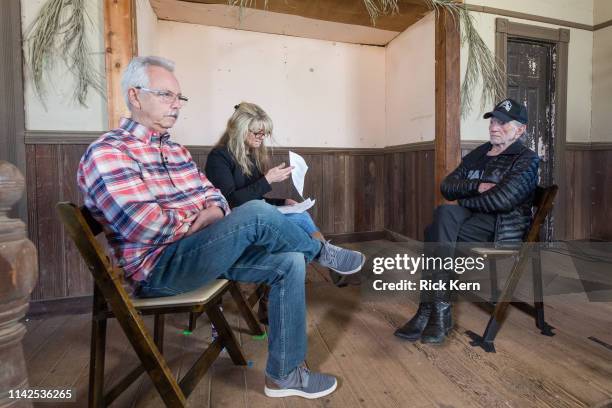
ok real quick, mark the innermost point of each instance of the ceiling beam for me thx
(341, 11)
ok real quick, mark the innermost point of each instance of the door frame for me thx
(559, 37)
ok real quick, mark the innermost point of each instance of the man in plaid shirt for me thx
(172, 231)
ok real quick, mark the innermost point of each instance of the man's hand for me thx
(289, 201)
(482, 187)
(205, 218)
(278, 173)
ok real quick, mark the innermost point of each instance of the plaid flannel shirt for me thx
(145, 190)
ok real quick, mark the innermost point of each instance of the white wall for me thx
(579, 77)
(602, 85)
(61, 111)
(146, 23)
(318, 93)
(578, 11)
(602, 11)
(410, 84)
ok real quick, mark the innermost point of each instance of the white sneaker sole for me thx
(363, 259)
(297, 393)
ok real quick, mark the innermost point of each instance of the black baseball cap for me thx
(508, 110)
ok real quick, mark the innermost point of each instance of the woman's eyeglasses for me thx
(259, 135)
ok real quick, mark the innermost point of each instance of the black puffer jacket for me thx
(515, 173)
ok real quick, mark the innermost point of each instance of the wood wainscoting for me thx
(588, 190)
(360, 193)
(350, 186)
(409, 188)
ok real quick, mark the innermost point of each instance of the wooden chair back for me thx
(109, 291)
(543, 204)
(81, 227)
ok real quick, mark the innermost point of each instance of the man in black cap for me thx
(493, 187)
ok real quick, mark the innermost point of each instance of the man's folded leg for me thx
(285, 273)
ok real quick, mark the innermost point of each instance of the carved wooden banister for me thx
(18, 275)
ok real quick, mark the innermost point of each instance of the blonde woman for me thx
(239, 165)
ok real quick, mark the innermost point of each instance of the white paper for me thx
(299, 172)
(296, 208)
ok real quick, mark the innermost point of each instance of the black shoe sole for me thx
(435, 340)
(403, 336)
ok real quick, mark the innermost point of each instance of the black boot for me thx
(440, 322)
(412, 330)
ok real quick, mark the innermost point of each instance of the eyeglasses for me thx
(167, 97)
(259, 134)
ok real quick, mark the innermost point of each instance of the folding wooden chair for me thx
(543, 204)
(112, 300)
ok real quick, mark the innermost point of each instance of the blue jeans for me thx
(304, 221)
(255, 243)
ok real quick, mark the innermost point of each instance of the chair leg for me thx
(158, 331)
(245, 310)
(538, 296)
(486, 341)
(97, 352)
(226, 334)
(493, 280)
(193, 320)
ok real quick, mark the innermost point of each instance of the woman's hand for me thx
(278, 173)
(289, 201)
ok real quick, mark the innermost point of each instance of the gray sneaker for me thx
(344, 261)
(301, 383)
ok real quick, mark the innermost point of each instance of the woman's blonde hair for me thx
(247, 117)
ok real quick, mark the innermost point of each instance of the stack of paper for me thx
(296, 208)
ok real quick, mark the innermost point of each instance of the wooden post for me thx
(448, 100)
(120, 44)
(18, 274)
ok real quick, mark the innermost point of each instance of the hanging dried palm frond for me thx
(376, 8)
(482, 64)
(60, 29)
(245, 3)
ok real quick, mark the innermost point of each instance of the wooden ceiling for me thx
(341, 11)
(335, 20)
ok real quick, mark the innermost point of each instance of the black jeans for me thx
(453, 224)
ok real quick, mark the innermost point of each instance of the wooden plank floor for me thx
(353, 339)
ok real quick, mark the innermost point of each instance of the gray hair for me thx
(137, 74)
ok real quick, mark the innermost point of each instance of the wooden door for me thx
(531, 80)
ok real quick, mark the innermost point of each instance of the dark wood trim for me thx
(530, 31)
(356, 236)
(12, 115)
(588, 146)
(602, 25)
(448, 100)
(53, 137)
(62, 306)
(531, 17)
(410, 147)
(560, 37)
